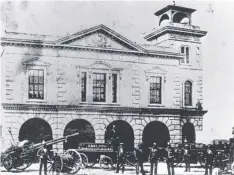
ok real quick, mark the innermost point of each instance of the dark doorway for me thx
(85, 130)
(188, 133)
(155, 132)
(124, 131)
(35, 130)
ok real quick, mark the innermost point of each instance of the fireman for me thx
(170, 161)
(209, 158)
(121, 158)
(44, 154)
(186, 158)
(139, 158)
(153, 158)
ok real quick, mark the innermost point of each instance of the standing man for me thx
(209, 157)
(121, 158)
(43, 158)
(139, 158)
(187, 158)
(153, 159)
(170, 159)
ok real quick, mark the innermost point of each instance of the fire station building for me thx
(96, 78)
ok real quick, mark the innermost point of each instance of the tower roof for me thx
(173, 7)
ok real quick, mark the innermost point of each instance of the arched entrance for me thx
(35, 130)
(155, 132)
(85, 130)
(124, 131)
(188, 133)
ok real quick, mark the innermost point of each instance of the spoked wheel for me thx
(24, 161)
(106, 162)
(85, 161)
(72, 161)
(130, 159)
(55, 163)
(8, 162)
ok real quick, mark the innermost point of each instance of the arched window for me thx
(185, 50)
(188, 93)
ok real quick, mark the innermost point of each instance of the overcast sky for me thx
(132, 19)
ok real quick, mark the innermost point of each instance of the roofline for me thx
(173, 7)
(38, 43)
(168, 29)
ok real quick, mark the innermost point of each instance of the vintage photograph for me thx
(117, 87)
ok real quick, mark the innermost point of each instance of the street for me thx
(96, 170)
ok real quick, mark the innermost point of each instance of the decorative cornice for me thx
(105, 109)
(175, 29)
(35, 43)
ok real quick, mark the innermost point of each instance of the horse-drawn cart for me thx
(103, 154)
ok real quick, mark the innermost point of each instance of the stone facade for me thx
(64, 59)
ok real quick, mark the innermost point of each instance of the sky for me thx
(132, 19)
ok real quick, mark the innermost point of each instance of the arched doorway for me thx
(188, 133)
(155, 132)
(35, 130)
(124, 131)
(85, 130)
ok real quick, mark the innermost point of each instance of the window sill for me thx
(100, 103)
(156, 105)
(36, 101)
(190, 107)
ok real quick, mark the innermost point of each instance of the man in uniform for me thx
(186, 158)
(153, 159)
(170, 161)
(139, 158)
(121, 158)
(43, 159)
(209, 157)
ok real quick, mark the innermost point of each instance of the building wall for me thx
(63, 82)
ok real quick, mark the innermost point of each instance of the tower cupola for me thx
(177, 20)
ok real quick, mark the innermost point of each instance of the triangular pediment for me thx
(36, 62)
(99, 37)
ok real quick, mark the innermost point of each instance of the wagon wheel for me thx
(131, 159)
(24, 161)
(72, 161)
(8, 162)
(106, 162)
(54, 163)
(85, 160)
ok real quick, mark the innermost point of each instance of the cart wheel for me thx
(106, 162)
(55, 163)
(72, 161)
(24, 161)
(8, 162)
(85, 161)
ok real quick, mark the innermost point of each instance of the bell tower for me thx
(177, 31)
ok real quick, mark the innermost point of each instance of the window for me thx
(83, 86)
(185, 50)
(187, 55)
(155, 90)
(188, 93)
(99, 87)
(36, 84)
(114, 88)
